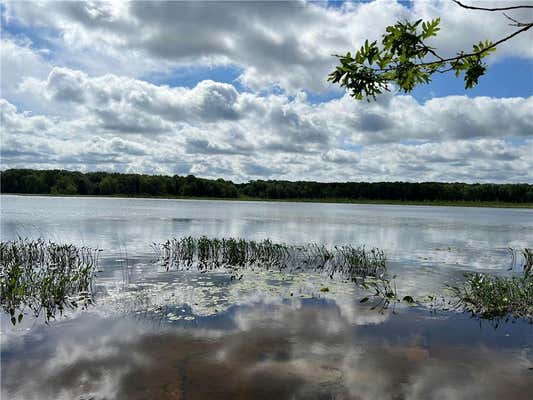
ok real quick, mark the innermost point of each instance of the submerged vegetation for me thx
(484, 295)
(39, 275)
(234, 254)
(42, 275)
(493, 297)
(385, 293)
(365, 267)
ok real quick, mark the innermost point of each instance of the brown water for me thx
(156, 334)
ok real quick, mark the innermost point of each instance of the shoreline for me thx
(481, 204)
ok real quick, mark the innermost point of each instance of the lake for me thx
(155, 333)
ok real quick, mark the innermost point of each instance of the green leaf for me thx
(408, 299)
(430, 28)
(472, 74)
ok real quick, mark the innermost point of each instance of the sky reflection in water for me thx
(297, 349)
(158, 334)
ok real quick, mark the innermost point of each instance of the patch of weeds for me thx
(365, 267)
(493, 297)
(42, 275)
(232, 254)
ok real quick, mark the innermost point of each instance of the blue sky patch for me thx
(509, 77)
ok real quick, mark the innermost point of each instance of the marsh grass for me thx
(39, 275)
(492, 297)
(232, 254)
(45, 276)
(365, 267)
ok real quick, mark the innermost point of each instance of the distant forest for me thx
(105, 183)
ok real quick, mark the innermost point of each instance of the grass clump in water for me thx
(234, 254)
(493, 297)
(366, 267)
(43, 275)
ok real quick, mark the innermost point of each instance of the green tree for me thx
(65, 185)
(108, 185)
(406, 60)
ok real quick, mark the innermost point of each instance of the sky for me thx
(238, 90)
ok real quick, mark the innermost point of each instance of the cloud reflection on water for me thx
(260, 344)
(301, 349)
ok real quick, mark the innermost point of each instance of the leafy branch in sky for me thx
(405, 59)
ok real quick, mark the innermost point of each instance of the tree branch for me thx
(515, 22)
(403, 58)
(525, 28)
(490, 9)
(431, 50)
(460, 56)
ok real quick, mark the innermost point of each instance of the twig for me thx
(490, 9)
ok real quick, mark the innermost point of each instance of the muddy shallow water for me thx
(157, 334)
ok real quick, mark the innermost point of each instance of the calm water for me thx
(183, 335)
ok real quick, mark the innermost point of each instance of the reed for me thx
(42, 275)
(232, 254)
(492, 297)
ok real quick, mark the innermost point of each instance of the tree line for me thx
(30, 181)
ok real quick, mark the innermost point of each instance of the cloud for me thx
(288, 44)
(203, 146)
(78, 95)
(276, 122)
(130, 105)
(238, 122)
(254, 169)
(16, 123)
(340, 157)
(20, 61)
(402, 118)
(212, 129)
(234, 152)
(66, 85)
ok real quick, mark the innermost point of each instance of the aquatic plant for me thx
(385, 293)
(365, 267)
(42, 275)
(528, 261)
(233, 254)
(491, 296)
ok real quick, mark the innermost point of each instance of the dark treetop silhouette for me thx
(104, 183)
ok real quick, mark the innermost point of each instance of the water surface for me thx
(184, 335)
